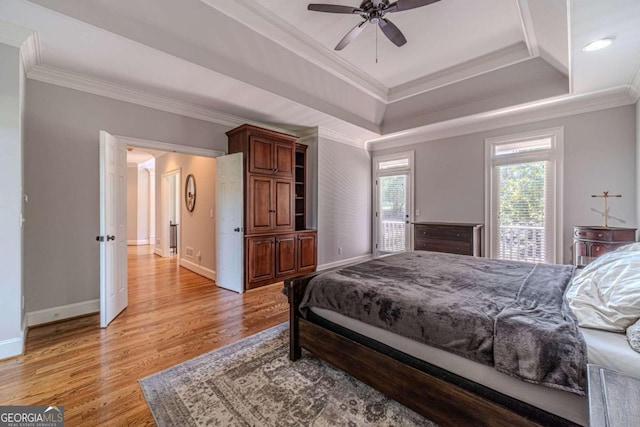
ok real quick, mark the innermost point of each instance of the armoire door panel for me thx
(261, 156)
(284, 209)
(261, 258)
(307, 252)
(286, 254)
(260, 213)
(284, 159)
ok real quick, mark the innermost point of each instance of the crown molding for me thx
(338, 137)
(528, 29)
(311, 133)
(502, 58)
(83, 83)
(13, 35)
(31, 53)
(71, 80)
(562, 106)
(634, 85)
(270, 25)
(266, 23)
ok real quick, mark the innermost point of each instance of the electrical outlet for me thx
(418, 212)
(340, 250)
(199, 256)
(211, 213)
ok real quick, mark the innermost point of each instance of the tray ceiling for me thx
(272, 61)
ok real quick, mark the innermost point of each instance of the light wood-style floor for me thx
(173, 315)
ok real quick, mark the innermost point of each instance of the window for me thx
(523, 188)
(392, 178)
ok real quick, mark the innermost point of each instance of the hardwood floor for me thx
(173, 315)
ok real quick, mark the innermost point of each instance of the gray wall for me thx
(599, 155)
(197, 228)
(61, 180)
(344, 201)
(11, 135)
(142, 211)
(132, 202)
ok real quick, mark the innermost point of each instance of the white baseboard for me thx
(138, 242)
(343, 262)
(11, 347)
(63, 312)
(203, 271)
(158, 251)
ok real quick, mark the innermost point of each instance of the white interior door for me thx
(230, 222)
(113, 228)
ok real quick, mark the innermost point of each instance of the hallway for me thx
(173, 315)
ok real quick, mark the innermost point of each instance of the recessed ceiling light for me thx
(597, 44)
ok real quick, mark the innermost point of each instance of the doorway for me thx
(113, 258)
(393, 215)
(170, 222)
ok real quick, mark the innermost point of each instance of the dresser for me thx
(451, 237)
(277, 244)
(589, 242)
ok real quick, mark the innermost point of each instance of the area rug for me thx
(253, 383)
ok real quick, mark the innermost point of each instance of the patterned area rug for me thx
(253, 383)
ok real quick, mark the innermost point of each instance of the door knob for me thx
(111, 238)
(237, 229)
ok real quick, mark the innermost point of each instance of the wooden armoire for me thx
(277, 244)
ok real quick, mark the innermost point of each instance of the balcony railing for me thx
(393, 236)
(522, 243)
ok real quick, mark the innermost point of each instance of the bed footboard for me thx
(294, 289)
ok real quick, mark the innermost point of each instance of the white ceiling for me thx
(440, 36)
(230, 61)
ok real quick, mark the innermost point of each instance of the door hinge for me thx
(100, 238)
(376, 246)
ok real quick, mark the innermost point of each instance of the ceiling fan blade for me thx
(332, 8)
(350, 36)
(401, 5)
(392, 32)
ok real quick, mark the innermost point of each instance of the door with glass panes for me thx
(393, 205)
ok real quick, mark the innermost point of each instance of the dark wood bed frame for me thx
(437, 394)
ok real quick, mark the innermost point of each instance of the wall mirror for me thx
(190, 192)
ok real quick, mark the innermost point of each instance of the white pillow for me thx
(606, 293)
(630, 247)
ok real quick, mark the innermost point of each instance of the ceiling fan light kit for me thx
(372, 11)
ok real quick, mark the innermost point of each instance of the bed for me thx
(448, 388)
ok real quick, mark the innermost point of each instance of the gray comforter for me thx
(506, 314)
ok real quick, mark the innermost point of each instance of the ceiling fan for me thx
(372, 11)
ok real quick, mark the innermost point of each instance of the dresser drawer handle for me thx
(458, 235)
(597, 249)
(599, 234)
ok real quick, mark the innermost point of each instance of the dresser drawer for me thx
(593, 234)
(443, 233)
(604, 235)
(449, 246)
